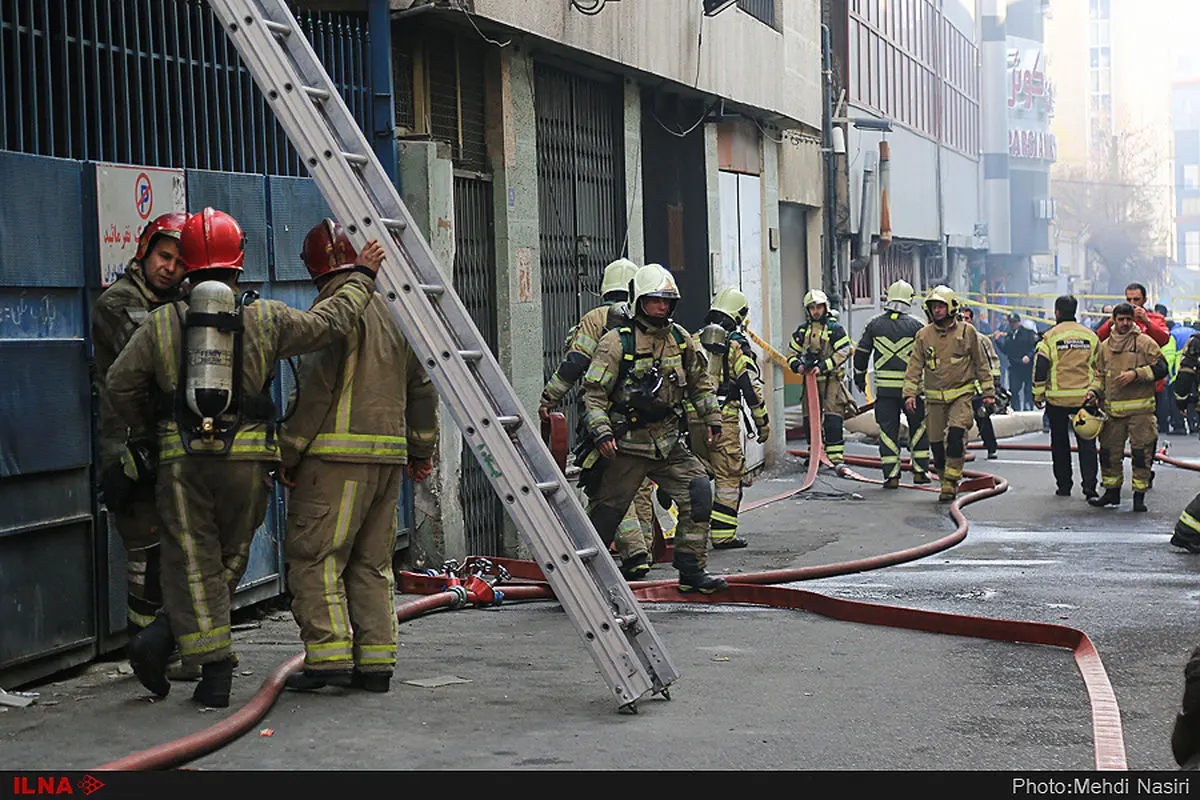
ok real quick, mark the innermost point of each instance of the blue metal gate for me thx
(154, 83)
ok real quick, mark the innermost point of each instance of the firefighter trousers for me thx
(1060, 449)
(680, 475)
(948, 424)
(1142, 432)
(635, 534)
(140, 526)
(887, 415)
(340, 540)
(1188, 526)
(210, 508)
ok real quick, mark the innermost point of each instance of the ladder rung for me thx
(316, 93)
(587, 553)
(471, 355)
(548, 487)
(355, 158)
(509, 421)
(394, 224)
(432, 289)
(277, 28)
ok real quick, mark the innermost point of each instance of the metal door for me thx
(475, 282)
(741, 263)
(581, 199)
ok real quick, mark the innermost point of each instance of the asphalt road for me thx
(761, 689)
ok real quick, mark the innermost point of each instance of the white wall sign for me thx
(127, 197)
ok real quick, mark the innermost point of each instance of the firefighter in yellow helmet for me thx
(820, 346)
(365, 415)
(948, 357)
(735, 374)
(634, 393)
(889, 338)
(215, 425)
(635, 534)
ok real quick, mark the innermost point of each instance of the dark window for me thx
(761, 10)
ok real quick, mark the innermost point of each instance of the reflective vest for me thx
(1062, 369)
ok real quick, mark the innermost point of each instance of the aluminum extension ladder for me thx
(628, 652)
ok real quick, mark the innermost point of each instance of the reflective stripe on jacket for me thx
(1137, 397)
(889, 337)
(951, 361)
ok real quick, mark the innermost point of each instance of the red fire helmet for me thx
(169, 224)
(212, 240)
(327, 249)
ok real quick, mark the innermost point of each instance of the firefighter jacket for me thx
(824, 342)
(364, 399)
(120, 310)
(952, 363)
(1115, 355)
(1062, 368)
(1185, 384)
(736, 376)
(889, 337)
(580, 346)
(144, 379)
(636, 386)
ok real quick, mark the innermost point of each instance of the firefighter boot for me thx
(894, 482)
(635, 568)
(693, 577)
(949, 490)
(920, 477)
(216, 682)
(310, 680)
(1111, 497)
(149, 652)
(378, 682)
(730, 543)
(1139, 501)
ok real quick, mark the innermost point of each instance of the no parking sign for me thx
(127, 197)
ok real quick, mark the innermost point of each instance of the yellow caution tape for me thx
(773, 354)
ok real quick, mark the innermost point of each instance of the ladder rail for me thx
(517, 462)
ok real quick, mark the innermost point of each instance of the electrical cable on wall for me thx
(587, 10)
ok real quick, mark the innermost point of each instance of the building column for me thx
(512, 148)
(635, 244)
(427, 181)
(774, 329)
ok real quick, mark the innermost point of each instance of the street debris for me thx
(18, 699)
(436, 682)
(267, 732)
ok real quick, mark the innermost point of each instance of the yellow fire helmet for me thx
(652, 280)
(617, 276)
(900, 292)
(815, 297)
(943, 294)
(733, 304)
(1088, 422)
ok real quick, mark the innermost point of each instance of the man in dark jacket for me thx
(1018, 344)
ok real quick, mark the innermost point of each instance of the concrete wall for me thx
(740, 58)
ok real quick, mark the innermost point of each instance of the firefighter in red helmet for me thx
(366, 414)
(197, 376)
(152, 278)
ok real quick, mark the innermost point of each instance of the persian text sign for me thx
(127, 197)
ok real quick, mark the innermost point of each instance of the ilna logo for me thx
(50, 784)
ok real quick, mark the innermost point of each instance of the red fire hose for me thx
(752, 589)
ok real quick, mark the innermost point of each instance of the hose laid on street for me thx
(748, 588)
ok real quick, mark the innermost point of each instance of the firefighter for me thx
(949, 357)
(889, 337)
(216, 439)
(1187, 528)
(365, 415)
(820, 346)
(983, 414)
(635, 534)
(634, 391)
(735, 374)
(1062, 374)
(152, 278)
(1125, 369)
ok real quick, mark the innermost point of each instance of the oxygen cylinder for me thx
(210, 354)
